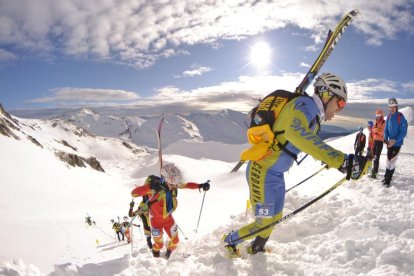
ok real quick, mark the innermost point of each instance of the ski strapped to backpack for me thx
(281, 98)
(331, 41)
(158, 131)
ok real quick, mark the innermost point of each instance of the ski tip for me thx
(354, 13)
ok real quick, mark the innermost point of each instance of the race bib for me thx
(155, 232)
(264, 210)
(173, 229)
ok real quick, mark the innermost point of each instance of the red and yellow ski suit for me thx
(161, 205)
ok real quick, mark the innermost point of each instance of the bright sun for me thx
(260, 54)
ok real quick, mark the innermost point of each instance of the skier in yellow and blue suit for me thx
(275, 145)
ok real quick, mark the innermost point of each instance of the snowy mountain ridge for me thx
(227, 126)
(54, 135)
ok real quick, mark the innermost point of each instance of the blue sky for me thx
(176, 57)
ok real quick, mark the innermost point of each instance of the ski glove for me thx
(205, 186)
(131, 205)
(158, 186)
(355, 166)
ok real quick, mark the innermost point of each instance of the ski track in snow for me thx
(359, 228)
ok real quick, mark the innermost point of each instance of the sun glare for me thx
(260, 54)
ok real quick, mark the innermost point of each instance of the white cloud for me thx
(241, 94)
(66, 94)
(238, 95)
(140, 32)
(409, 86)
(196, 70)
(379, 88)
(303, 64)
(6, 55)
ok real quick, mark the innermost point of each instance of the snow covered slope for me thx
(360, 228)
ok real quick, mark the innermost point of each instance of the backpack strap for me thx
(398, 117)
(283, 147)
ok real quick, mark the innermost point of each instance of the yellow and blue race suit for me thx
(272, 154)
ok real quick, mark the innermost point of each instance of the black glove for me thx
(325, 165)
(205, 186)
(158, 186)
(355, 166)
(131, 205)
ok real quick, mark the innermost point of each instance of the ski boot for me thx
(373, 175)
(149, 243)
(168, 254)
(258, 245)
(155, 253)
(231, 250)
(387, 178)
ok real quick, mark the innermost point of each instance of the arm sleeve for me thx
(364, 139)
(386, 130)
(298, 133)
(403, 130)
(140, 191)
(381, 128)
(189, 185)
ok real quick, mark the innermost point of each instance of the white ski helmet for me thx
(333, 84)
(171, 174)
(392, 102)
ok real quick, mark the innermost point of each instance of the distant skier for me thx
(89, 221)
(395, 132)
(117, 228)
(378, 131)
(162, 201)
(278, 133)
(125, 229)
(143, 213)
(360, 141)
(370, 147)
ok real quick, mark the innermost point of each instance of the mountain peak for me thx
(85, 110)
(4, 112)
(8, 124)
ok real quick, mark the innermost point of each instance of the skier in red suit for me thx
(162, 202)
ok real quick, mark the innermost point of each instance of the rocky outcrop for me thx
(135, 150)
(75, 160)
(71, 159)
(94, 163)
(71, 127)
(34, 141)
(8, 124)
(63, 142)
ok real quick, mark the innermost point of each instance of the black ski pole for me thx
(140, 209)
(201, 209)
(336, 185)
(182, 232)
(309, 177)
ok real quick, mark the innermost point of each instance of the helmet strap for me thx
(325, 104)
